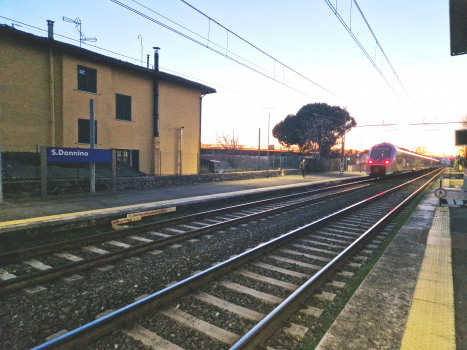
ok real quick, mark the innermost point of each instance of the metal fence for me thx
(17, 166)
(240, 163)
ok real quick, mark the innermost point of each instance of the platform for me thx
(61, 210)
(414, 298)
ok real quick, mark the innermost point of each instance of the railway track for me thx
(29, 267)
(243, 303)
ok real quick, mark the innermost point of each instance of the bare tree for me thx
(230, 143)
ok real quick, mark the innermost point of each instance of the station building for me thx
(150, 117)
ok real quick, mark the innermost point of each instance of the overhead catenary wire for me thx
(66, 37)
(198, 35)
(373, 61)
(382, 51)
(208, 47)
(263, 52)
(334, 10)
(135, 59)
(288, 85)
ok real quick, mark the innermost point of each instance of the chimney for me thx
(156, 58)
(50, 25)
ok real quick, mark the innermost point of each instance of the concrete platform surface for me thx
(407, 301)
(24, 211)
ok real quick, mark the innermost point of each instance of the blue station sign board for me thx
(78, 155)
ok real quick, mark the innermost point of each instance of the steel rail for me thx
(14, 284)
(77, 338)
(10, 257)
(259, 334)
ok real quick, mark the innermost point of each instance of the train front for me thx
(380, 159)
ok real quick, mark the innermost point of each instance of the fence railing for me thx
(236, 163)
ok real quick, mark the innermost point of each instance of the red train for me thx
(385, 159)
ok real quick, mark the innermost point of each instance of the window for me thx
(380, 153)
(123, 107)
(129, 157)
(84, 131)
(87, 79)
(123, 156)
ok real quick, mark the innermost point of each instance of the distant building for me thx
(45, 92)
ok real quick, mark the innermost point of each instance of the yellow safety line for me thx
(60, 216)
(69, 215)
(430, 325)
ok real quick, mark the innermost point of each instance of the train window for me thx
(380, 153)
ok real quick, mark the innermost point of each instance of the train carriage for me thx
(385, 159)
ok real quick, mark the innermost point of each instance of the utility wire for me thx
(382, 51)
(437, 123)
(223, 87)
(288, 84)
(135, 59)
(212, 49)
(257, 48)
(334, 10)
(200, 36)
(349, 30)
(66, 37)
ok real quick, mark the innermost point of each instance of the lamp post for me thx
(269, 123)
(1, 169)
(259, 149)
(267, 169)
(92, 138)
(343, 145)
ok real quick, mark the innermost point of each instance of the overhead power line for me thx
(66, 37)
(258, 69)
(437, 123)
(135, 59)
(263, 52)
(354, 37)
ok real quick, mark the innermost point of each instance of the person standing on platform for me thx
(303, 167)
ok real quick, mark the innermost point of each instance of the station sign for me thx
(78, 155)
(461, 137)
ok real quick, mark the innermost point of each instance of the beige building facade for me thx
(152, 118)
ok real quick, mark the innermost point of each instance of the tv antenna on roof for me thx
(77, 22)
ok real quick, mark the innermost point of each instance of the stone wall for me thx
(165, 181)
(31, 188)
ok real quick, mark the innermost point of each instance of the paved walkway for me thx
(407, 300)
(21, 211)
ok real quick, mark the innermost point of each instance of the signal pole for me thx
(343, 145)
(92, 138)
(1, 169)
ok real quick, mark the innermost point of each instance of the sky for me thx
(307, 57)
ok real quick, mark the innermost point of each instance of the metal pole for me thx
(43, 171)
(181, 148)
(267, 169)
(464, 186)
(1, 169)
(259, 149)
(114, 170)
(91, 145)
(343, 146)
